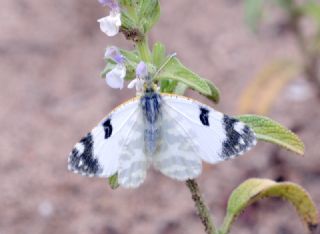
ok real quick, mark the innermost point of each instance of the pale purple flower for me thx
(141, 73)
(115, 77)
(138, 83)
(114, 54)
(110, 3)
(141, 70)
(110, 24)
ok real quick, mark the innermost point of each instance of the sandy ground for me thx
(51, 94)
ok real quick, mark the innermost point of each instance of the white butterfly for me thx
(172, 133)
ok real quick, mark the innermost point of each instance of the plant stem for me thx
(144, 50)
(226, 226)
(202, 209)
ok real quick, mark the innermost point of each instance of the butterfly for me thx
(172, 133)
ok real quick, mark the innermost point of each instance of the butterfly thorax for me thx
(150, 103)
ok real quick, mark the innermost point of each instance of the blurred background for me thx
(51, 55)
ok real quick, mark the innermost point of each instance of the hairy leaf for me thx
(148, 13)
(253, 190)
(174, 70)
(215, 93)
(126, 3)
(127, 21)
(269, 130)
(180, 88)
(158, 54)
(131, 56)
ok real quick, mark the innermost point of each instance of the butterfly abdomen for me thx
(151, 109)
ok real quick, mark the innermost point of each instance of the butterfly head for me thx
(144, 81)
(149, 85)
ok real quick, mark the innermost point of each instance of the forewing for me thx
(99, 152)
(177, 156)
(216, 136)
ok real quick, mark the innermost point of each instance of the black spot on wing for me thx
(204, 116)
(107, 128)
(84, 162)
(236, 142)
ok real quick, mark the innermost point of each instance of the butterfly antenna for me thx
(165, 63)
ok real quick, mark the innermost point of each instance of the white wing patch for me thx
(216, 136)
(177, 156)
(133, 163)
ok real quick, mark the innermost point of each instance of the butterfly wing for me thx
(133, 162)
(177, 156)
(105, 150)
(215, 136)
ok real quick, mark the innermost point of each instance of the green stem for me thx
(144, 50)
(202, 209)
(227, 223)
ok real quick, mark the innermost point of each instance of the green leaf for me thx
(253, 13)
(285, 4)
(253, 190)
(158, 54)
(131, 56)
(127, 21)
(215, 93)
(269, 130)
(168, 86)
(126, 3)
(174, 70)
(180, 88)
(148, 13)
(113, 181)
(311, 9)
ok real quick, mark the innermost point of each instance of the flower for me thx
(110, 3)
(110, 24)
(115, 77)
(114, 54)
(141, 73)
(141, 70)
